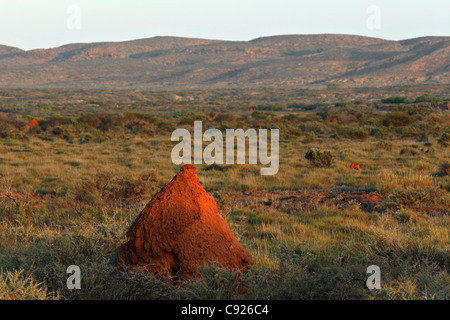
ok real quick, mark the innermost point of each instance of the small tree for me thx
(319, 158)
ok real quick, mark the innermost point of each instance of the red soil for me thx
(181, 229)
(20, 198)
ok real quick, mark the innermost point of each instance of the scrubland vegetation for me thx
(71, 186)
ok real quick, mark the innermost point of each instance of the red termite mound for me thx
(355, 166)
(33, 123)
(181, 229)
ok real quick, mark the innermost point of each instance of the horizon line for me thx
(223, 40)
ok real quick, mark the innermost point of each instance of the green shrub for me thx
(96, 102)
(310, 137)
(344, 104)
(445, 184)
(54, 121)
(405, 216)
(408, 152)
(436, 131)
(17, 134)
(103, 121)
(444, 170)
(427, 98)
(86, 138)
(444, 140)
(319, 158)
(60, 130)
(225, 117)
(413, 110)
(398, 119)
(395, 100)
(260, 115)
(384, 145)
(9, 124)
(361, 134)
(336, 137)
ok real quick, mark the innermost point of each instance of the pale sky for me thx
(30, 24)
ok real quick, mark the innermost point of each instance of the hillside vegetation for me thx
(182, 63)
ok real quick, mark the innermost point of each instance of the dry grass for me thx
(70, 201)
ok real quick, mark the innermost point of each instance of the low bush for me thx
(384, 145)
(319, 158)
(395, 99)
(444, 140)
(408, 152)
(397, 119)
(9, 124)
(427, 98)
(310, 137)
(444, 170)
(17, 134)
(426, 200)
(361, 134)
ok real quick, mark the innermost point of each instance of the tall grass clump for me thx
(16, 285)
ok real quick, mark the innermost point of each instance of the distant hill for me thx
(176, 63)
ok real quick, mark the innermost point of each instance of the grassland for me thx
(70, 187)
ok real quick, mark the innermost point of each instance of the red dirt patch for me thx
(20, 199)
(181, 229)
(304, 199)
